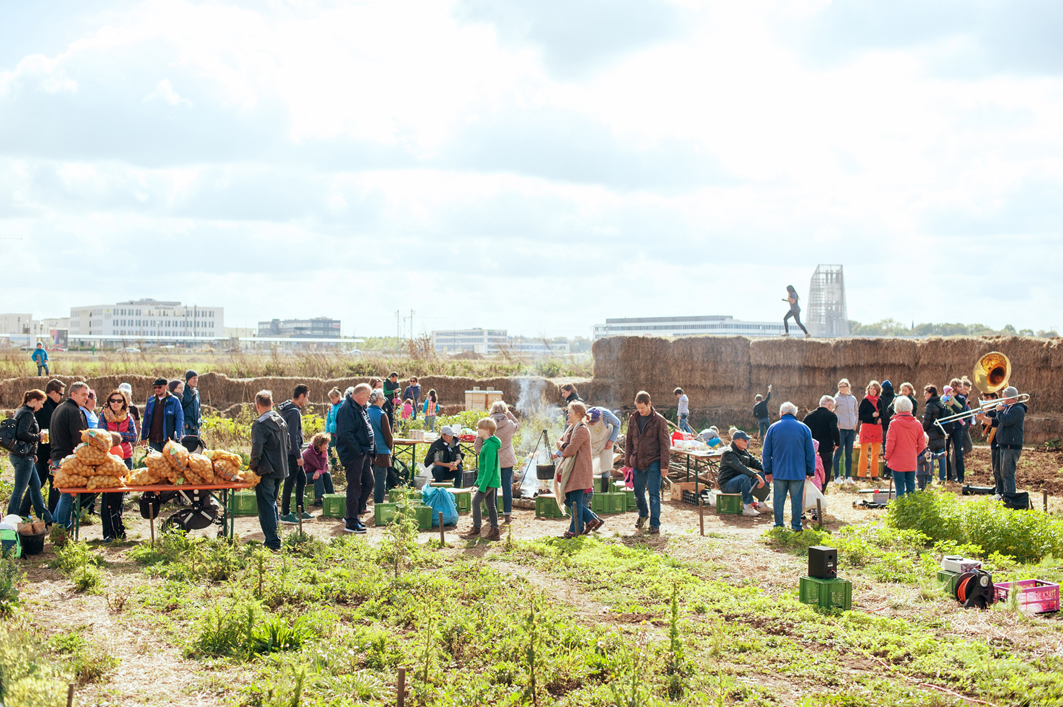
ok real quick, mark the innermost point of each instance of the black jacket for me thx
(44, 418)
(915, 405)
(735, 463)
(293, 417)
(354, 432)
(866, 412)
(269, 446)
(934, 411)
(1010, 422)
(885, 408)
(64, 429)
(824, 426)
(26, 429)
(442, 453)
(760, 410)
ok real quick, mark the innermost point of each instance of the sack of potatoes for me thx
(101, 439)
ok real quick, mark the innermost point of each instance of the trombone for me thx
(991, 374)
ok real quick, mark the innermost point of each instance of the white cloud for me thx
(164, 92)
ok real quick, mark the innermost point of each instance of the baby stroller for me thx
(201, 510)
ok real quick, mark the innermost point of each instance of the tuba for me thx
(992, 372)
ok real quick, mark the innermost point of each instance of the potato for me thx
(90, 455)
(66, 481)
(176, 455)
(104, 482)
(100, 439)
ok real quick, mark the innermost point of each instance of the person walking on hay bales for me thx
(823, 424)
(739, 472)
(269, 459)
(488, 480)
(760, 412)
(870, 431)
(795, 312)
(647, 451)
(789, 459)
(905, 441)
(357, 448)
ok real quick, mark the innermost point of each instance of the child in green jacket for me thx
(488, 481)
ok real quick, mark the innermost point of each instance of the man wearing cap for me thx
(444, 457)
(739, 472)
(163, 417)
(190, 403)
(1010, 419)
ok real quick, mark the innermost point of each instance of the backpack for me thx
(9, 439)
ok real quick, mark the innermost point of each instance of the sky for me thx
(534, 166)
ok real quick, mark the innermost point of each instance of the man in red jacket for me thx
(646, 451)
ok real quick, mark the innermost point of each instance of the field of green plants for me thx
(619, 620)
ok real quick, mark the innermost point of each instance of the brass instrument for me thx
(991, 374)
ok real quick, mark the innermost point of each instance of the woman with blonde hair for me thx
(576, 475)
(870, 431)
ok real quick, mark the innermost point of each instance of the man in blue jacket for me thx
(356, 448)
(163, 417)
(190, 403)
(1010, 420)
(40, 357)
(788, 459)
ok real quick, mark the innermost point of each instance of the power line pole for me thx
(411, 325)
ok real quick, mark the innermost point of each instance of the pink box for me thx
(1035, 596)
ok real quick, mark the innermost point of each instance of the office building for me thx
(481, 341)
(315, 328)
(146, 319)
(685, 326)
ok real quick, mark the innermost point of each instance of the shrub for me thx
(10, 575)
(225, 632)
(26, 678)
(275, 634)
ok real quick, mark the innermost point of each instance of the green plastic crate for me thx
(462, 499)
(947, 580)
(334, 505)
(632, 504)
(10, 543)
(383, 513)
(599, 502)
(546, 507)
(827, 593)
(729, 504)
(424, 516)
(245, 503)
(308, 494)
(609, 502)
(498, 501)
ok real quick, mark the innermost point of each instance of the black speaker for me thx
(822, 562)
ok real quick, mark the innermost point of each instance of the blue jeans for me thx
(683, 424)
(574, 501)
(764, 424)
(157, 446)
(740, 484)
(266, 495)
(380, 483)
(27, 482)
(846, 437)
(44, 366)
(430, 423)
(1008, 459)
(797, 500)
(323, 485)
(507, 490)
(904, 481)
(649, 479)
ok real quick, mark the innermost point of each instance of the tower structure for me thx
(827, 315)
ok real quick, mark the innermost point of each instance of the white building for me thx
(481, 341)
(146, 320)
(686, 326)
(521, 346)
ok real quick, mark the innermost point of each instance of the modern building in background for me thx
(826, 314)
(146, 320)
(23, 330)
(685, 326)
(315, 328)
(481, 341)
(522, 346)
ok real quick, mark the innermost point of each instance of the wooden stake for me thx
(151, 514)
(1045, 492)
(442, 536)
(401, 689)
(299, 510)
(70, 695)
(819, 513)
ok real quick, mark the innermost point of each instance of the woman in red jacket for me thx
(870, 430)
(905, 441)
(116, 418)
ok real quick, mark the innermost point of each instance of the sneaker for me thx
(307, 516)
(785, 333)
(641, 522)
(360, 529)
(749, 510)
(289, 518)
(807, 335)
(654, 530)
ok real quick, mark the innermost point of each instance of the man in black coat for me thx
(356, 448)
(932, 412)
(824, 426)
(64, 433)
(292, 412)
(269, 459)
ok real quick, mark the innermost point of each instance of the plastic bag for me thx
(812, 494)
(441, 501)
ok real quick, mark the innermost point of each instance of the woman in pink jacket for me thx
(905, 441)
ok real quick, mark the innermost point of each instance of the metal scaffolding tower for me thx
(827, 315)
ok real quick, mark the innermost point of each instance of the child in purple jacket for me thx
(315, 464)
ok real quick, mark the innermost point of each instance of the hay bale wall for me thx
(721, 375)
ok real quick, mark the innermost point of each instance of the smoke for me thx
(531, 395)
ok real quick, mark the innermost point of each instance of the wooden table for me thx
(228, 529)
(710, 460)
(410, 451)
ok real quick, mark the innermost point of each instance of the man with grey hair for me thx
(1010, 420)
(789, 458)
(64, 431)
(356, 447)
(823, 424)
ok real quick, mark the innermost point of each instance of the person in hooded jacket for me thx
(270, 442)
(905, 441)
(870, 430)
(1010, 421)
(506, 425)
(885, 411)
(292, 412)
(932, 412)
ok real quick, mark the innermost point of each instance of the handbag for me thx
(9, 437)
